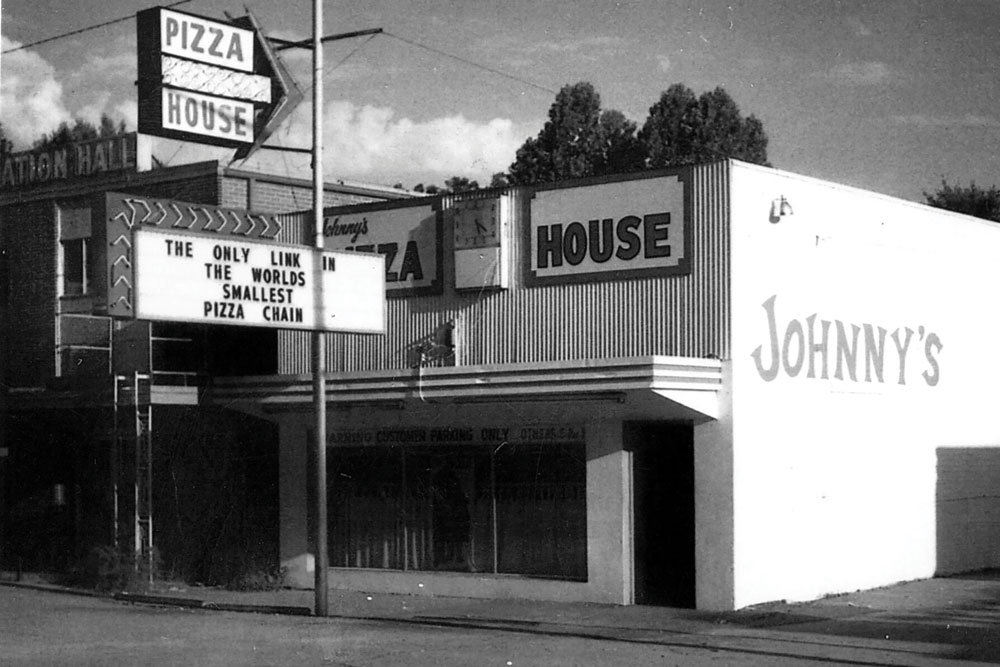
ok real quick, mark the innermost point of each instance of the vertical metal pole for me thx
(493, 510)
(318, 351)
(405, 512)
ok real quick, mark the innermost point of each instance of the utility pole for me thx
(318, 339)
(318, 445)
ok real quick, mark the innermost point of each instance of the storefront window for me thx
(513, 509)
(366, 508)
(541, 510)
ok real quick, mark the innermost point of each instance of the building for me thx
(82, 392)
(709, 386)
(712, 386)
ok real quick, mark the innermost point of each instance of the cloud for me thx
(123, 110)
(519, 52)
(577, 45)
(368, 143)
(372, 142)
(858, 27)
(867, 73)
(664, 62)
(34, 100)
(31, 98)
(946, 121)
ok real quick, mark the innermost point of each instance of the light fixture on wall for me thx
(780, 208)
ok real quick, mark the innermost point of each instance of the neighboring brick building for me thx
(64, 361)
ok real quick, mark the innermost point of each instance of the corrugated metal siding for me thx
(671, 315)
(296, 228)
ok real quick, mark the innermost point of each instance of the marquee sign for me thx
(609, 228)
(194, 278)
(179, 261)
(209, 81)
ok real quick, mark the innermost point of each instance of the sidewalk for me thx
(926, 622)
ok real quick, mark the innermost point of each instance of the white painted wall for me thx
(843, 484)
(713, 505)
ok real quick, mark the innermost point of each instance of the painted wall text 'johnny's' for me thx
(854, 352)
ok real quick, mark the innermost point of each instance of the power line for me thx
(343, 60)
(326, 70)
(283, 44)
(82, 30)
(470, 63)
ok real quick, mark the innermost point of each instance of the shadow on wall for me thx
(968, 509)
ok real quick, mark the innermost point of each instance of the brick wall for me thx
(198, 189)
(273, 196)
(235, 193)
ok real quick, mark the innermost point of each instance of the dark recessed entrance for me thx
(663, 505)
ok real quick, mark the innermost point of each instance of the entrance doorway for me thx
(663, 512)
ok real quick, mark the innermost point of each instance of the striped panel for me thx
(686, 316)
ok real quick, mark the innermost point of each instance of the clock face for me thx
(477, 223)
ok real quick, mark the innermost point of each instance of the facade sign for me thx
(407, 235)
(610, 229)
(87, 158)
(196, 278)
(493, 434)
(812, 347)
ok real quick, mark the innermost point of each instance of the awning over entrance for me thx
(692, 385)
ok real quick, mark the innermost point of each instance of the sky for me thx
(889, 96)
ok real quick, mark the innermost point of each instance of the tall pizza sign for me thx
(210, 81)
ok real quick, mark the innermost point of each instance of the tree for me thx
(682, 129)
(577, 141)
(80, 130)
(581, 140)
(499, 180)
(459, 184)
(451, 185)
(621, 151)
(6, 148)
(971, 200)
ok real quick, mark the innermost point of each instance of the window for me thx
(517, 509)
(75, 267)
(76, 250)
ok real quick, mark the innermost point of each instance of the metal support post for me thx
(318, 347)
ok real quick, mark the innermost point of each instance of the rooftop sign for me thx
(209, 81)
(205, 40)
(78, 160)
